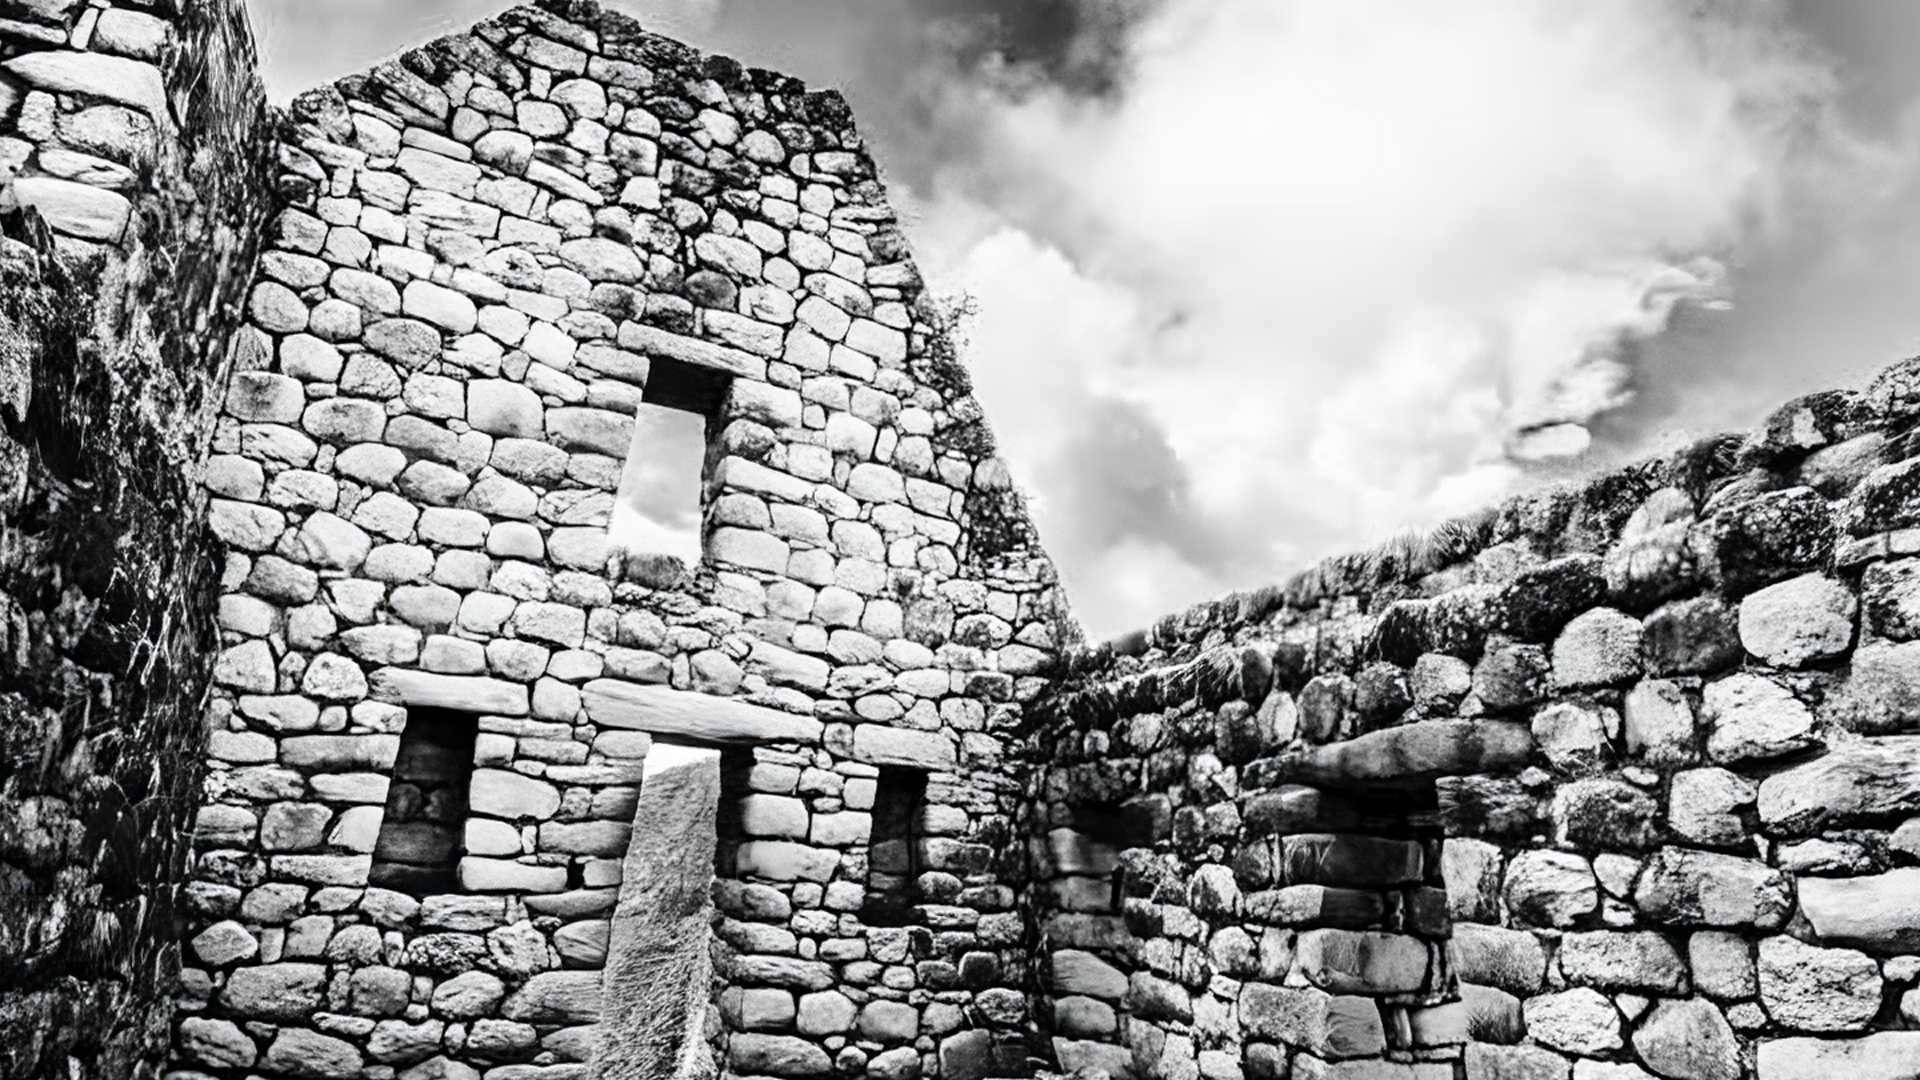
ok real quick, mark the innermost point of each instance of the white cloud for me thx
(1346, 264)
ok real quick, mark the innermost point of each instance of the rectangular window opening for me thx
(661, 500)
(418, 850)
(893, 855)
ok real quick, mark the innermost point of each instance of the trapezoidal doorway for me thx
(659, 965)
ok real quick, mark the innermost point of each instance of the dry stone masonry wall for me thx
(1616, 781)
(133, 181)
(306, 549)
(491, 252)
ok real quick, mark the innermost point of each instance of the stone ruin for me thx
(343, 740)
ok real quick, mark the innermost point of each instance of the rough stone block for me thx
(1852, 782)
(556, 997)
(1312, 1019)
(1681, 886)
(1812, 989)
(1879, 913)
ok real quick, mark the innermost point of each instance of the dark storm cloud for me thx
(1129, 485)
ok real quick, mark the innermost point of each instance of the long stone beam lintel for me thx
(662, 710)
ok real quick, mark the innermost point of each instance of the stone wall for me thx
(491, 250)
(132, 184)
(1614, 781)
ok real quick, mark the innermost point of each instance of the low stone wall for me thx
(132, 184)
(1617, 780)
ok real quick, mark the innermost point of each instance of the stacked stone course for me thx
(488, 250)
(1636, 764)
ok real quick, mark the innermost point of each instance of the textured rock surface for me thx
(1702, 853)
(133, 184)
(1616, 781)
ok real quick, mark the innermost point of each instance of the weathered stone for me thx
(1885, 1055)
(556, 997)
(1511, 677)
(1890, 593)
(1753, 718)
(1852, 782)
(1802, 619)
(1613, 960)
(1423, 749)
(1349, 961)
(1596, 813)
(1551, 888)
(219, 1044)
(470, 694)
(1691, 637)
(1722, 964)
(1879, 913)
(1688, 1040)
(1703, 806)
(283, 992)
(880, 745)
(1597, 648)
(1320, 1023)
(1485, 1062)
(1578, 1021)
(1814, 989)
(1658, 721)
(310, 1055)
(1763, 539)
(1879, 692)
(1471, 871)
(223, 943)
(662, 710)
(1513, 960)
(1576, 736)
(1681, 886)
(1078, 972)
(511, 796)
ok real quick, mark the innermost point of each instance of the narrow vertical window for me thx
(893, 855)
(657, 516)
(419, 844)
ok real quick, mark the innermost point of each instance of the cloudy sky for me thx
(1259, 281)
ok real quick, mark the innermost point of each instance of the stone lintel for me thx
(653, 341)
(662, 710)
(466, 693)
(1417, 751)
